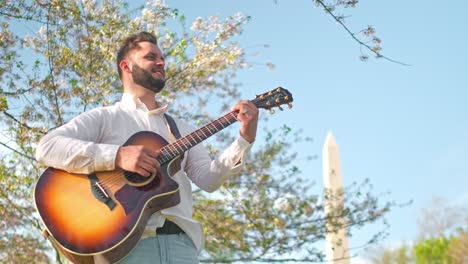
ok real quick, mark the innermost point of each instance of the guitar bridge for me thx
(100, 193)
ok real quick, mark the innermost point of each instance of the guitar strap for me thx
(175, 135)
(172, 126)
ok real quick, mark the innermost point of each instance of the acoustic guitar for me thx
(103, 214)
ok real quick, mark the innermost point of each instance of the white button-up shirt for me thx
(89, 143)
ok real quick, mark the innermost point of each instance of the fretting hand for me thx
(248, 116)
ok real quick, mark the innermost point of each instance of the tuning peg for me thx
(289, 105)
(272, 111)
(280, 108)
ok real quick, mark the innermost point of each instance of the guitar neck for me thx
(170, 151)
(268, 100)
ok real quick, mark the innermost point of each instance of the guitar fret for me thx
(171, 150)
(183, 143)
(201, 130)
(211, 126)
(192, 139)
(163, 158)
(190, 145)
(196, 134)
(180, 148)
(225, 119)
(177, 146)
(219, 123)
(174, 150)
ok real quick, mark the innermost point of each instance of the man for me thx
(93, 142)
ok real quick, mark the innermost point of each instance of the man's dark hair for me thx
(131, 43)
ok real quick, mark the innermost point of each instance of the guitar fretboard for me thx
(170, 151)
(274, 98)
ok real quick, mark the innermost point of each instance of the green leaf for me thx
(3, 104)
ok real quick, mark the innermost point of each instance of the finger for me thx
(239, 105)
(142, 172)
(151, 161)
(252, 107)
(145, 169)
(151, 153)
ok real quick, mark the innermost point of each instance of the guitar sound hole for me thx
(136, 179)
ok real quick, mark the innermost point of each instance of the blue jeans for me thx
(163, 249)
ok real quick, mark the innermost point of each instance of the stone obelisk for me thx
(336, 243)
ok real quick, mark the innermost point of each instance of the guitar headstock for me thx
(274, 98)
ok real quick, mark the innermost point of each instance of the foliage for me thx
(443, 250)
(442, 238)
(440, 250)
(432, 251)
(19, 229)
(458, 248)
(66, 65)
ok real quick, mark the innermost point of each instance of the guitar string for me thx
(176, 148)
(175, 151)
(168, 154)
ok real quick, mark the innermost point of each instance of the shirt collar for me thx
(131, 102)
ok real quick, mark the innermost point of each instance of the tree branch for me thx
(378, 54)
(51, 69)
(17, 152)
(19, 122)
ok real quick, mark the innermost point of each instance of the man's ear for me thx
(125, 65)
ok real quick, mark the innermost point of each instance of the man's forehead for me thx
(145, 47)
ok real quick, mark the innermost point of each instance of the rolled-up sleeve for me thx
(73, 148)
(210, 174)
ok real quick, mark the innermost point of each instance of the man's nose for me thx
(160, 62)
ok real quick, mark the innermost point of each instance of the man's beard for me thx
(145, 78)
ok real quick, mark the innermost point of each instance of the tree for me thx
(266, 213)
(458, 248)
(441, 218)
(442, 249)
(401, 255)
(443, 237)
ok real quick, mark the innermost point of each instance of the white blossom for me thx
(43, 33)
(28, 42)
(89, 5)
(157, 3)
(196, 25)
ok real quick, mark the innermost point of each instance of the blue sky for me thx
(404, 128)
